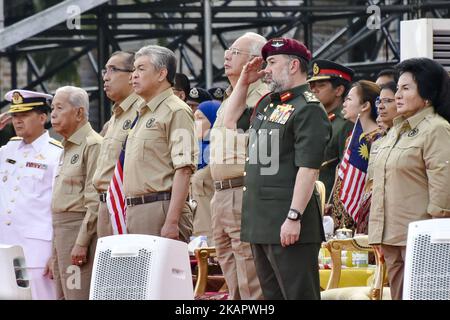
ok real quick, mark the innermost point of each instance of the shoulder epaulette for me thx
(56, 143)
(16, 139)
(310, 97)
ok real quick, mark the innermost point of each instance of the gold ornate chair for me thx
(373, 292)
(206, 280)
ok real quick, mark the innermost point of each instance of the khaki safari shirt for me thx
(73, 190)
(161, 142)
(411, 177)
(228, 148)
(119, 126)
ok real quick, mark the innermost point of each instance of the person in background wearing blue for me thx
(202, 187)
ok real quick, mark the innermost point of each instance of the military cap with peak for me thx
(199, 95)
(26, 100)
(285, 46)
(217, 93)
(326, 69)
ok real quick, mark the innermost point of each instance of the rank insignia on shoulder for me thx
(16, 139)
(56, 143)
(310, 97)
(11, 161)
(281, 113)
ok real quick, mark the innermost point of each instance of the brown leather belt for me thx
(229, 183)
(102, 196)
(148, 198)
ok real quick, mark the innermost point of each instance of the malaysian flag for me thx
(115, 197)
(352, 171)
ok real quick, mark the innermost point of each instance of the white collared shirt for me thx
(27, 174)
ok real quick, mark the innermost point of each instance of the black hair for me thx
(391, 85)
(303, 62)
(390, 73)
(433, 82)
(368, 92)
(336, 82)
(181, 82)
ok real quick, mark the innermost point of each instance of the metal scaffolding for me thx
(178, 24)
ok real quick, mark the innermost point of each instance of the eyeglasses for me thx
(383, 101)
(114, 70)
(236, 52)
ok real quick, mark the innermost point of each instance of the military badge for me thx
(413, 132)
(316, 69)
(193, 93)
(310, 97)
(74, 158)
(36, 165)
(17, 98)
(282, 113)
(276, 43)
(126, 124)
(11, 161)
(150, 123)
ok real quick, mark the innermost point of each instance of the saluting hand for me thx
(79, 255)
(4, 120)
(290, 232)
(252, 71)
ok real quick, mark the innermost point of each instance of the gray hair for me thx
(160, 57)
(258, 41)
(77, 97)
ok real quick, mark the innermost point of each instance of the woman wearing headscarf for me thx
(412, 168)
(202, 188)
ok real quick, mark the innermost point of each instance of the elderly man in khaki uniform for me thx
(75, 200)
(116, 77)
(161, 151)
(228, 152)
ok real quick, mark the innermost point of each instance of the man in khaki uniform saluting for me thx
(75, 200)
(227, 170)
(116, 77)
(161, 151)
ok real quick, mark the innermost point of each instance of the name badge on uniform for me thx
(36, 165)
(281, 113)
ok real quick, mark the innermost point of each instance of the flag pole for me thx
(345, 152)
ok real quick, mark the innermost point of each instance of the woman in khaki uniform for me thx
(412, 170)
(201, 182)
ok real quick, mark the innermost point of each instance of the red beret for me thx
(285, 46)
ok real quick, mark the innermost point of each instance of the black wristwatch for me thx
(294, 215)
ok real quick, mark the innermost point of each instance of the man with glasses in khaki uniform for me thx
(75, 200)
(117, 85)
(228, 152)
(161, 151)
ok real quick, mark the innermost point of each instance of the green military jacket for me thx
(341, 129)
(289, 130)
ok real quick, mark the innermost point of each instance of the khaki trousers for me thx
(72, 282)
(149, 218)
(104, 227)
(235, 257)
(202, 192)
(395, 264)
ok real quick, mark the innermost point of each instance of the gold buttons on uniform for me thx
(245, 173)
(265, 117)
(246, 159)
(244, 188)
(8, 223)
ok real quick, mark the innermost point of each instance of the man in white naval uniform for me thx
(27, 168)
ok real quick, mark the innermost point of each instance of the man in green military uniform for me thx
(281, 216)
(330, 83)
